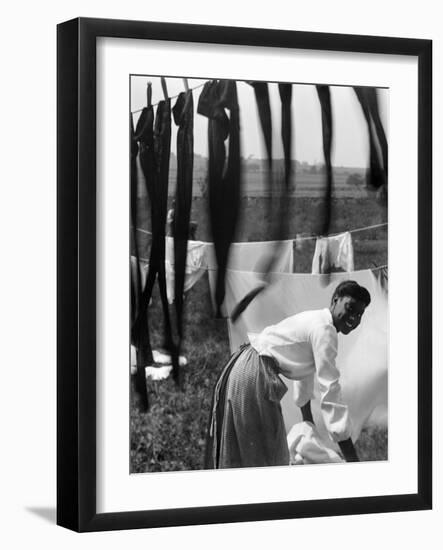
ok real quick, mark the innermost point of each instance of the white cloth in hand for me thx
(306, 446)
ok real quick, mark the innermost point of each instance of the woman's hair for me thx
(354, 290)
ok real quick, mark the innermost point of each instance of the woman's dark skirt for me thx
(246, 427)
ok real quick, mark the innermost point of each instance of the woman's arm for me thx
(334, 410)
(306, 412)
(347, 447)
(348, 450)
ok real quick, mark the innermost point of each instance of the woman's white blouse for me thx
(304, 345)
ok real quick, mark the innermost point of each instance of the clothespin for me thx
(164, 88)
(149, 94)
(186, 85)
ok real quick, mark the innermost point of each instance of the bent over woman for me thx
(246, 427)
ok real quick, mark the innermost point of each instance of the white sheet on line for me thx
(195, 265)
(362, 355)
(251, 256)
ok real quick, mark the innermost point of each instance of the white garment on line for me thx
(196, 265)
(245, 256)
(362, 355)
(251, 256)
(333, 253)
(307, 447)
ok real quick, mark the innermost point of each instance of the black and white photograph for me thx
(221, 255)
(259, 273)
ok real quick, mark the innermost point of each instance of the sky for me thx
(350, 145)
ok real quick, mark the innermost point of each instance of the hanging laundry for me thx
(285, 91)
(224, 181)
(195, 267)
(278, 190)
(324, 96)
(136, 285)
(362, 355)
(281, 188)
(252, 256)
(261, 92)
(381, 273)
(155, 146)
(183, 112)
(378, 145)
(141, 144)
(334, 253)
(144, 134)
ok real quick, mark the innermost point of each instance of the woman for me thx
(246, 425)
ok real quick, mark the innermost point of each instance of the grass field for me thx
(171, 436)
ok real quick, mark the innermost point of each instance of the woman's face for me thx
(346, 313)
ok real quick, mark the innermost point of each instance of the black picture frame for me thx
(76, 273)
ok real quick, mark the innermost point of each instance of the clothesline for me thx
(367, 227)
(307, 238)
(375, 268)
(172, 97)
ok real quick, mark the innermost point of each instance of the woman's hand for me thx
(348, 450)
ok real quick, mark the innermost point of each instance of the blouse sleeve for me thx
(303, 390)
(335, 412)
